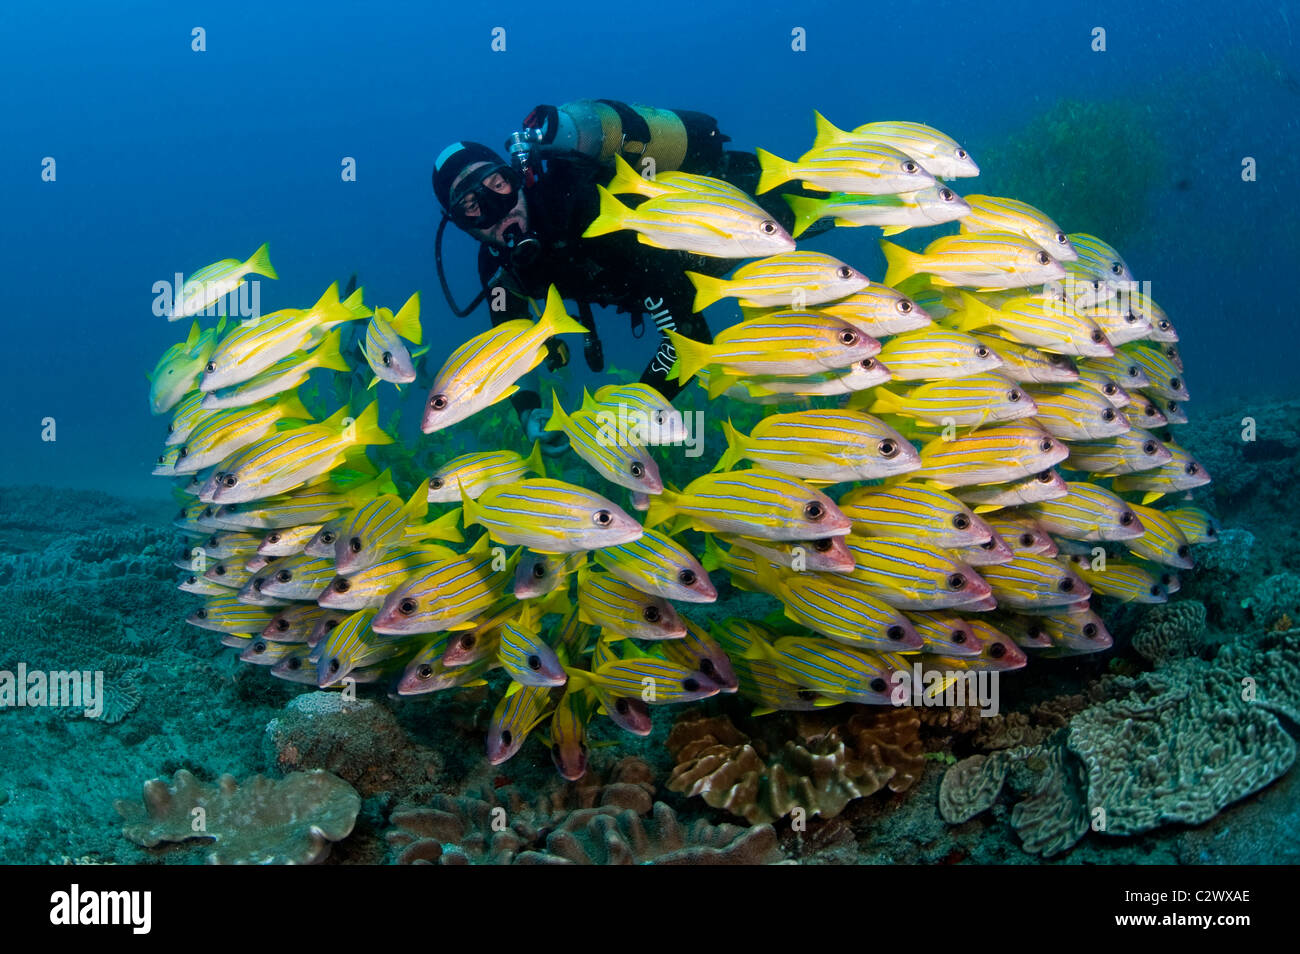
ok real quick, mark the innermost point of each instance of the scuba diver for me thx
(529, 213)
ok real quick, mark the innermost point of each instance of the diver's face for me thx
(468, 206)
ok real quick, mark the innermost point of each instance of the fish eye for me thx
(895, 633)
(997, 650)
(988, 544)
(1155, 590)
(1066, 585)
(1043, 258)
(888, 448)
(622, 706)
(1165, 326)
(162, 458)
(539, 569)
(334, 665)
(425, 671)
(823, 545)
(867, 364)
(229, 480)
(438, 402)
(330, 624)
(805, 695)
(878, 685)
(962, 522)
(219, 569)
(961, 153)
(1149, 448)
(1171, 406)
(259, 647)
(844, 272)
(209, 367)
(201, 614)
(1192, 467)
(1090, 630)
(294, 663)
(1116, 268)
(651, 614)
(958, 636)
(355, 544)
(946, 195)
(602, 518)
(534, 662)
(1026, 539)
(327, 537)
(686, 576)
(905, 306)
(848, 336)
(281, 624)
(1109, 389)
(956, 581)
(1134, 372)
(407, 607)
(467, 641)
(1176, 384)
(813, 510)
(273, 537)
(192, 580)
(1130, 318)
(507, 737)
(981, 351)
(1149, 409)
(1097, 337)
(1061, 239)
(707, 667)
(690, 684)
(341, 585)
(1045, 444)
(768, 227)
(1183, 551)
(1045, 477)
(284, 576)
(257, 583)
(1126, 518)
(387, 358)
(638, 469)
(1013, 395)
(1108, 415)
(436, 483)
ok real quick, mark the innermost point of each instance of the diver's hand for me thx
(554, 443)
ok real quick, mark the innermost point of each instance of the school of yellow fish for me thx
(986, 415)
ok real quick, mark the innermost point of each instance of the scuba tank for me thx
(675, 139)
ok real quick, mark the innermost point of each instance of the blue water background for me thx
(168, 159)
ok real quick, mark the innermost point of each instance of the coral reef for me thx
(263, 821)
(1275, 598)
(1170, 631)
(820, 775)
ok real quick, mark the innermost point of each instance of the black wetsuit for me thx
(613, 270)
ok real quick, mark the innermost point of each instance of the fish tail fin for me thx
(446, 527)
(626, 180)
(354, 305)
(719, 383)
(559, 420)
(417, 507)
(471, 511)
(775, 170)
(806, 212)
(407, 320)
(291, 406)
(707, 289)
(691, 355)
(902, 262)
(713, 554)
(974, 313)
(555, 319)
(885, 402)
(662, 508)
(535, 462)
(611, 215)
(259, 263)
(327, 353)
(735, 447)
(827, 132)
(368, 430)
